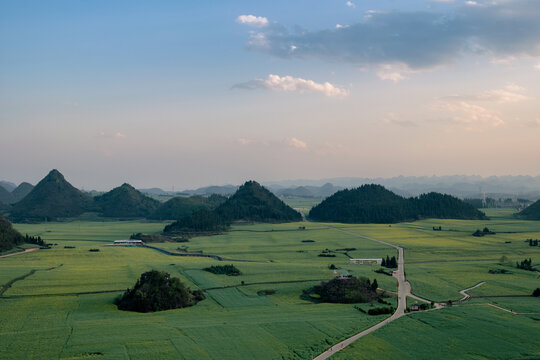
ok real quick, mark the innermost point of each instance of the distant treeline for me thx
(375, 204)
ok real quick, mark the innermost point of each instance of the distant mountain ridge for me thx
(375, 204)
(8, 185)
(463, 186)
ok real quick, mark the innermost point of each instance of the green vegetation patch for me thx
(232, 297)
(230, 270)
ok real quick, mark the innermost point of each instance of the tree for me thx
(536, 292)
(374, 286)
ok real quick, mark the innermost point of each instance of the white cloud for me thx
(510, 94)
(393, 119)
(350, 4)
(339, 26)
(471, 3)
(292, 84)
(472, 116)
(392, 72)
(296, 143)
(120, 135)
(252, 20)
(537, 66)
(258, 40)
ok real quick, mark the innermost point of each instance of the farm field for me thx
(65, 310)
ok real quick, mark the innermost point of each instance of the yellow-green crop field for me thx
(64, 309)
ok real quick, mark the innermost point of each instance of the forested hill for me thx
(253, 202)
(52, 198)
(9, 237)
(126, 201)
(531, 212)
(375, 204)
(179, 207)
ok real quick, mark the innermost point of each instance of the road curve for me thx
(404, 290)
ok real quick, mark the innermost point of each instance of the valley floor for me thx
(61, 306)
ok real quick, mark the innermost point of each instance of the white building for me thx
(129, 242)
(365, 261)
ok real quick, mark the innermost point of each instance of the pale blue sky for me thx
(163, 93)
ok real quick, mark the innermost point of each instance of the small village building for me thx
(129, 242)
(365, 261)
(414, 307)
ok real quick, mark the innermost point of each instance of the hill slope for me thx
(52, 198)
(5, 196)
(375, 204)
(531, 212)
(253, 202)
(125, 201)
(21, 191)
(179, 207)
(9, 237)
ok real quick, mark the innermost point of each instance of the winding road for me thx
(404, 290)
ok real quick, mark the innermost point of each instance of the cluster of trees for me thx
(533, 242)
(251, 202)
(35, 240)
(230, 270)
(536, 292)
(157, 291)
(9, 237)
(375, 204)
(484, 232)
(201, 221)
(347, 290)
(389, 262)
(525, 265)
(381, 310)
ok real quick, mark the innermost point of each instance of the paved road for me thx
(404, 290)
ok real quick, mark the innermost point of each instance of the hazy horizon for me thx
(179, 94)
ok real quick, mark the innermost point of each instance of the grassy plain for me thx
(65, 309)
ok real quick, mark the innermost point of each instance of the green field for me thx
(65, 310)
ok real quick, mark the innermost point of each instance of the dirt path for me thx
(20, 252)
(404, 290)
(466, 296)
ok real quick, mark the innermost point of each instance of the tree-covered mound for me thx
(21, 191)
(442, 206)
(158, 291)
(346, 290)
(531, 212)
(375, 204)
(9, 237)
(179, 207)
(253, 202)
(52, 198)
(125, 202)
(201, 221)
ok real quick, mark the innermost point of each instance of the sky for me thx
(185, 94)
